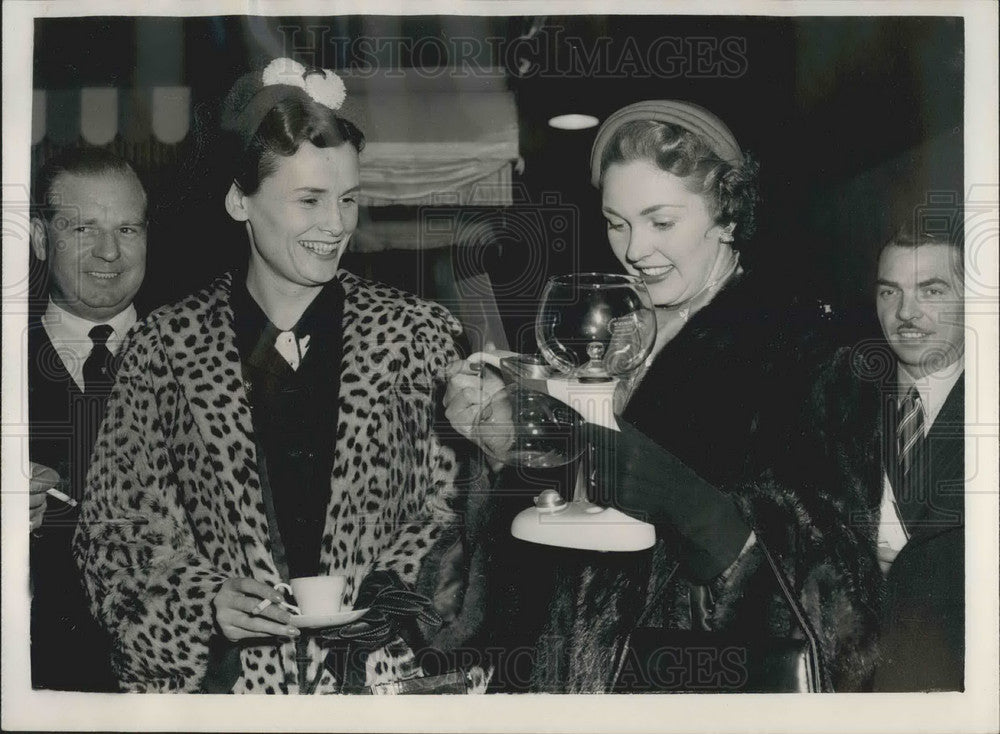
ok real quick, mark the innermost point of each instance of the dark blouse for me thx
(295, 416)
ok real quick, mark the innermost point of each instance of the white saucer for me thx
(319, 621)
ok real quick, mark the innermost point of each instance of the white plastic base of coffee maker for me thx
(583, 525)
(579, 524)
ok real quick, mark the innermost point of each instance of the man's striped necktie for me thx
(909, 435)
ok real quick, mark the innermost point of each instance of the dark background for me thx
(857, 124)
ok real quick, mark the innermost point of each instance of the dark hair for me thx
(84, 161)
(730, 192)
(919, 231)
(293, 120)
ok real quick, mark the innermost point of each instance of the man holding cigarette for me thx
(89, 232)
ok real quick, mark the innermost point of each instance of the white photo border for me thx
(972, 711)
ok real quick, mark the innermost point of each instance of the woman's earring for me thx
(727, 235)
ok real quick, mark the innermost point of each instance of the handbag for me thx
(688, 661)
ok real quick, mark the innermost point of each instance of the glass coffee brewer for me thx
(593, 331)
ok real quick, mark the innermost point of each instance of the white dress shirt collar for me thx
(70, 335)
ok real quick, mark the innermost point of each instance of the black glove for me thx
(392, 610)
(642, 479)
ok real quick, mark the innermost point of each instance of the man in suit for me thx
(89, 229)
(921, 528)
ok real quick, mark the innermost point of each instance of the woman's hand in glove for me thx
(642, 479)
(391, 607)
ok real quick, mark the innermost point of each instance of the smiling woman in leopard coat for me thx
(279, 423)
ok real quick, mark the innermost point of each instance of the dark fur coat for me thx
(750, 396)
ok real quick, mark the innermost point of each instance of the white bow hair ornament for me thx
(322, 85)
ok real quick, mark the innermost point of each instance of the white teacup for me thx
(316, 595)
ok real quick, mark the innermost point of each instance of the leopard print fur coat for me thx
(174, 504)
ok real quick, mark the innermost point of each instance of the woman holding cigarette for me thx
(278, 424)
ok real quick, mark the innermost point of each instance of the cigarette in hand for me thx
(61, 496)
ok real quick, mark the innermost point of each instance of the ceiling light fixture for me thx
(573, 122)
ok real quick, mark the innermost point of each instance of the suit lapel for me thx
(53, 397)
(937, 504)
(46, 366)
(945, 468)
